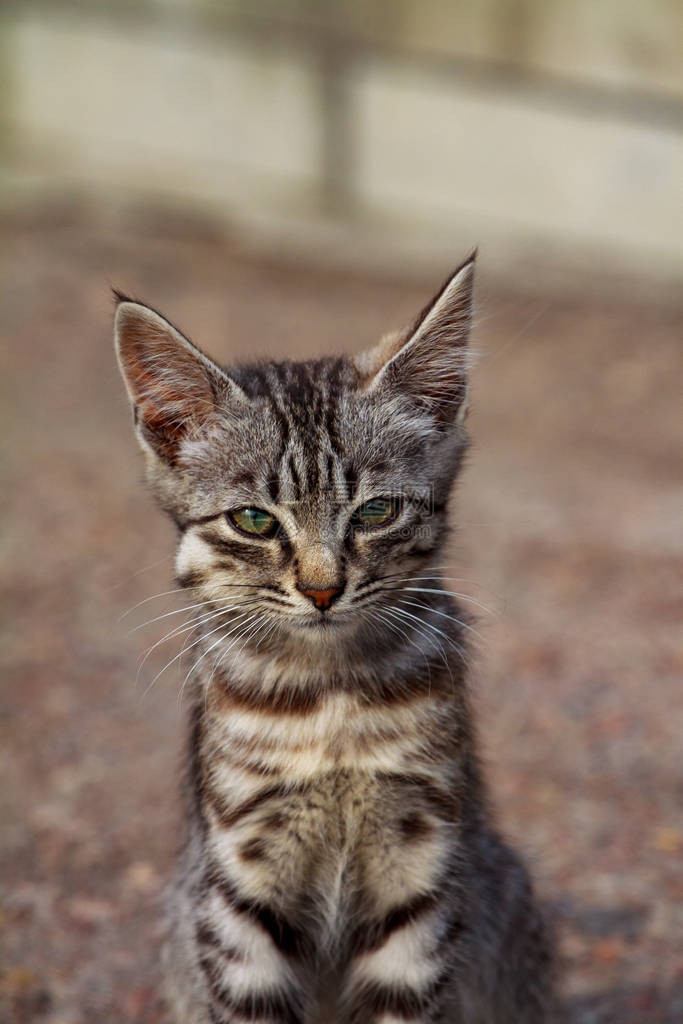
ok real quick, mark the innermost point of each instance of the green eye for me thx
(255, 521)
(376, 512)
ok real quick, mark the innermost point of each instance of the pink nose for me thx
(322, 599)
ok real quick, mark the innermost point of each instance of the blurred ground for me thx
(570, 520)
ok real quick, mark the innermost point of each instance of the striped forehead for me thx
(317, 442)
(308, 461)
(313, 465)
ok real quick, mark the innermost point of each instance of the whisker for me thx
(154, 597)
(482, 651)
(188, 626)
(246, 586)
(245, 627)
(250, 617)
(400, 578)
(428, 625)
(423, 590)
(463, 597)
(254, 632)
(426, 568)
(439, 576)
(220, 640)
(274, 625)
(396, 612)
(166, 615)
(402, 632)
(178, 590)
(445, 615)
(208, 603)
(180, 654)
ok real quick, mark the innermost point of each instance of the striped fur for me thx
(341, 864)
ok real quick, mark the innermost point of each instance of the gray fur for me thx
(341, 865)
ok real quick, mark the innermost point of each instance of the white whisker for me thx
(481, 649)
(428, 625)
(445, 615)
(410, 640)
(250, 617)
(396, 613)
(180, 654)
(166, 615)
(462, 597)
(153, 597)
(188, 626)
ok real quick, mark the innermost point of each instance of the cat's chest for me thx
(332, 839)
(326, 799)
(294, 746)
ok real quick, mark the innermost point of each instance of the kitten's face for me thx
(303, 491)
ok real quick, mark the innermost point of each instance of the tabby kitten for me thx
(341, 864)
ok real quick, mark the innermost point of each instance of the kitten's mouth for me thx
(321, 622)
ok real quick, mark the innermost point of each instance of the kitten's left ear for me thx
(174, 388)
(429, 361)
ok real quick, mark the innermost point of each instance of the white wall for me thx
(130, 109)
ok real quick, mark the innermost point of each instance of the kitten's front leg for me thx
(230, 960)
(398, 975)
(248, 967)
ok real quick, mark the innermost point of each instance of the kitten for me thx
(341, 864)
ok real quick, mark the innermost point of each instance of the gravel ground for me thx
(569, 522)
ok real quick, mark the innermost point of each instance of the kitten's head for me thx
(302, 491)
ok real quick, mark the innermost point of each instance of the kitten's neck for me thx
(366, 659)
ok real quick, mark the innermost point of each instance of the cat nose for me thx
(322, 599)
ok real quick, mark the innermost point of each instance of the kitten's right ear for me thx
(428, 362)
(173, 387)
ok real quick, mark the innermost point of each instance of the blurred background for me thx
(293, 178)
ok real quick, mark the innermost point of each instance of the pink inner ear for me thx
(429, 361)
(169, 385)
(163, 409)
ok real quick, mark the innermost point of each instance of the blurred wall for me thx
(391, 129)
